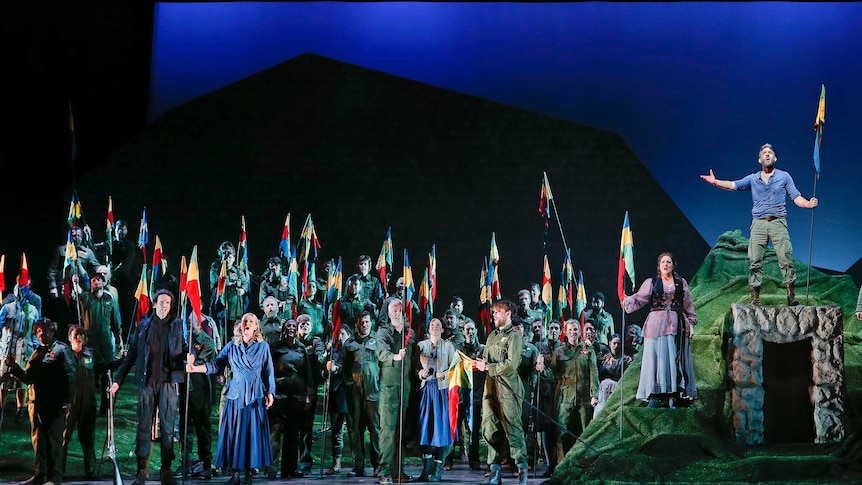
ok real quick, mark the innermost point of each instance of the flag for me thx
(76, 212)
(184, 274)
(432, 277)
(2, 274)
(545, 205)
(143, 235)
(460, 378)
(284, 244)
(627, 259)
(494, 270)
(292, 271)
(159, 268)
(409, 289)
(424, 309)
(485, 297)
(581, 301)
(193, 285)
(23, 273)
(73, 148)
(70, 263)
(384, 261)
(547, 291)
(142, 297)
(333, 295)
(109, 226)
(570, 284)
(242, 249)
(308, 243)
(819, 122)
(222, 280)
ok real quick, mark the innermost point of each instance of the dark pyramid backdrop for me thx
(362, 150)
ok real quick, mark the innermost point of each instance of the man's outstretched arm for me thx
(724, 184)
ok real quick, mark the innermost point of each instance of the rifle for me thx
(112, 449)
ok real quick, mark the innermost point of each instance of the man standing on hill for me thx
(768, 187)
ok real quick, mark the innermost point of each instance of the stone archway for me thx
(752, 325)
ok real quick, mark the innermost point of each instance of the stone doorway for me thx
(752, 328)
(788, 415)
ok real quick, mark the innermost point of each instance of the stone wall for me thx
(778, 324)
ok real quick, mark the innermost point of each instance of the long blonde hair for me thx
(237, 329)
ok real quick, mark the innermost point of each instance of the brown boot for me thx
(755, 295)
(791, 295)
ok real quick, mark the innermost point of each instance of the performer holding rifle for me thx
(501, 403)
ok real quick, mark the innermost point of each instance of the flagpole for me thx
(811, 238)
(185, 433)
(559, 225)
(622, 372)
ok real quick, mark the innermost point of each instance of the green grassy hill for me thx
(695, 444)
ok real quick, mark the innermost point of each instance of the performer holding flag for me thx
(769, 188)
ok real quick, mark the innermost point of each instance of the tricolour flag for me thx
(158, 265)
(76, 212)
(547, 291)
(424, 309)
(627, 259)
(222, 281)
(193, 285)
(819, 122)
(545, 205)
(384, 262)
(70, 266)
(144, 235)
(109, 225)
(2, 274)
(494, 270)
(485, 297)
(333, 295)
(242, 249)
(432, 277)
(184, 274)
(460, 380)
(284, 244)
(142, 297)
(581, 301)
(23, 273)
(409, 290)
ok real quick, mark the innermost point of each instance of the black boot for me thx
(791, 295)
(234, 478)
(427, 463)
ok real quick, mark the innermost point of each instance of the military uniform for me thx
(101, 317)
(577, 377)
(293, 385)
(529, 379)
(314, 309)
(350, 308)
(501, 408)
(394, 393)
(230, 307)
(279, 289)
(317, 356)
(200, 403)
(604, 323)
(470, 405)
(372, 289)
(363, 391)
(83, 412)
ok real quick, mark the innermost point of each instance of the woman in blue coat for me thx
(243, 442)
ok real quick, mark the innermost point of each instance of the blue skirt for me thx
(434, 416)
(243, 440)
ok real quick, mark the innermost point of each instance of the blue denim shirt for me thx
(769, 198)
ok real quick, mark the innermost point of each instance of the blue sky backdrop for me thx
(689, 86)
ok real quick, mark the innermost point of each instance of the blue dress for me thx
(243, 441)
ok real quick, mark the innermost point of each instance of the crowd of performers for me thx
(528, 388)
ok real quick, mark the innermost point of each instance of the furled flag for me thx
(109, 226)
(193, 285)
(142, 297)
(222, 280)
(581, 301)
(494, 270)
(70, 266)
(184, 274)
(292, 271)
(424, 309)
(566, 295)
(284, 244)
(143, 235)
(308, 243)
(242, 249)
(545, 205)
(432, 278)
(460, 390)
(819, 122)
(485, 297)
(76, 212)
(547, 291)
(384, 262)
(158, 265)
(409, 289)
(23, 273)
(627, 259)
(2, 274)
(333, 295)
